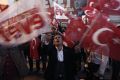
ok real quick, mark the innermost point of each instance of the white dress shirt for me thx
(60, 55)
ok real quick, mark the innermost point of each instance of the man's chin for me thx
(56, 44)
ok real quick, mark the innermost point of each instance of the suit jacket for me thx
(68, 63)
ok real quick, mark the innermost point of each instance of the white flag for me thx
(59, 11)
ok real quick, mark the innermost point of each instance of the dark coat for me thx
(68, 63)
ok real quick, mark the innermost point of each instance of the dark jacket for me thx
(68, 63)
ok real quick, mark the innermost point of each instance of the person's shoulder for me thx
(51, 47)
(66, 47)
(69, 48)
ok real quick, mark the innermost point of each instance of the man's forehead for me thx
(57, 36)
(48, 34)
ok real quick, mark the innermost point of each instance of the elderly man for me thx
(61, 61)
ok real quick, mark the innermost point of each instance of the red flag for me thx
(74, 31)
(114, 46)
(114, 43)
(111, 7)
(94, 3)
(103, 34)
(34, 47)
(90, 13)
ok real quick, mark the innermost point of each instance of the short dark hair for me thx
(58, 33)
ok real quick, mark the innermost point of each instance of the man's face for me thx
(54, 29)
(49, 36)
(58, 40)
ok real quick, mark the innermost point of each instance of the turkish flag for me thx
(74, 31)
(88, 41)
(94, 3)
(103, 34)
(34, 48)
(91, 13)
(111, 7)
(114, 46)
(114, 43)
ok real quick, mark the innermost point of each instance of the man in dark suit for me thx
(61, 61)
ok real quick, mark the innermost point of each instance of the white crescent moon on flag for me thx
(91, 4)
(87, 13)
(92, 13)
(118, 8)
(96, 35)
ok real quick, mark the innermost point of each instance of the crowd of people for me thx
(47, 56)
(56, 61)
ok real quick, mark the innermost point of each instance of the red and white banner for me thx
(22, 21)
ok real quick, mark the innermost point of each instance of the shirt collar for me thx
(58, 49)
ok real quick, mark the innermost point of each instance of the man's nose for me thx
(57, 38)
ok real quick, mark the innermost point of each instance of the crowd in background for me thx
(46, 55)
(37, 56)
